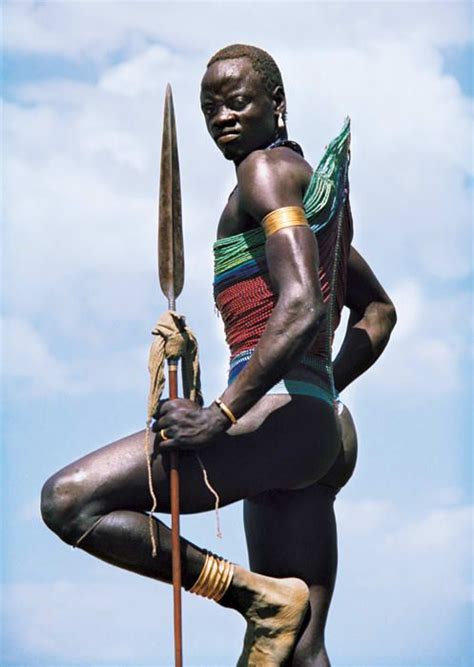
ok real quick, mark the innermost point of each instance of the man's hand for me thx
(187, 425)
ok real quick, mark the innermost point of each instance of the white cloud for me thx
(138, 75)
(93, 30)
(408, 297)
(395, 569)
(32, 368)
(28, 359)
(91, 623)
(89, 153)
(429, 347)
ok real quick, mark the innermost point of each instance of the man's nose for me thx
(224, 116)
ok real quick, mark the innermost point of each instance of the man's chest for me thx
(233, 219)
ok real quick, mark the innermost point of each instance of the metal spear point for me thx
(170, 230)
(171, 274)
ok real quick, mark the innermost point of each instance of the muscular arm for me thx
(292, 258)
(265, 183)
(371, 321)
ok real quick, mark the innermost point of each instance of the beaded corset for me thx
(242, 289)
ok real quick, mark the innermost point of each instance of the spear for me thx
(171, 275)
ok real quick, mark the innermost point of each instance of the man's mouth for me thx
(227, 138)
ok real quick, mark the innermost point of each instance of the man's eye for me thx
(239, 103)
(208, 109)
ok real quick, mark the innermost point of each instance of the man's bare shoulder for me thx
(270, 179)
(281, 162)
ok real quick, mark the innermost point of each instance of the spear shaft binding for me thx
(171, 276)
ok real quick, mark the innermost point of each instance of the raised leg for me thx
(102, 501)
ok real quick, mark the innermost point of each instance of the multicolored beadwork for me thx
(242, 289)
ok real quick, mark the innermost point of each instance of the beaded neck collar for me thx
(287, 143)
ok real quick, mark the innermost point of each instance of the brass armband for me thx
(288, 216)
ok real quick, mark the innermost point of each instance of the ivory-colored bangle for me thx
(227, 411)
(287, 216)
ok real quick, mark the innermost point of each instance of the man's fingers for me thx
(168, 405)
(163, 423)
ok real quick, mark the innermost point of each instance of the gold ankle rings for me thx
(215, 578)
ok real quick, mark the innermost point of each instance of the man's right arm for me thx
(371, 321)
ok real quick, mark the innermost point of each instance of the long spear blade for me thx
(170, 231)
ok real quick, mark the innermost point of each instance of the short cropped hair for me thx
(262, 62)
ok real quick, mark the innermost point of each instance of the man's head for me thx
(262, 63)
(243, 100)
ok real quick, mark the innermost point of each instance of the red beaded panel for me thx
(246, 306)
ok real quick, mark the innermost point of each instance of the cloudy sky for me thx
(83, 95)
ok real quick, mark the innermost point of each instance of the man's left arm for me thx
(371, 321)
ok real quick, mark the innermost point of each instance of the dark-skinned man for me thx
(280, 286)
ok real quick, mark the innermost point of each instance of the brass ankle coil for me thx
(214, 579)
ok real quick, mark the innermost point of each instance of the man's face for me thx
(239, 113)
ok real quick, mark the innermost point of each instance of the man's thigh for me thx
(293, 533)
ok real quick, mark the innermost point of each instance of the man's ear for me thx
(279, 100)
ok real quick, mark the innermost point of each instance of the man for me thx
(280, 292)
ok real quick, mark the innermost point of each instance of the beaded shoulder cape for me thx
(242, 289)
(323, 197)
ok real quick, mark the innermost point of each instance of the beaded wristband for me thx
(227, 411)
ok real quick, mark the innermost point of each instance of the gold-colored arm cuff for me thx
(288, 216)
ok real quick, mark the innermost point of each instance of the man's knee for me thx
(64, 508)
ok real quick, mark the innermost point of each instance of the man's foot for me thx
(274, 610)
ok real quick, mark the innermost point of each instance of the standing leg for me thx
(295, 531)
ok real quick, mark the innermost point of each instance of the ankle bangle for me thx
(214, 579)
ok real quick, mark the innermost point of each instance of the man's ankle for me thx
(240, 594)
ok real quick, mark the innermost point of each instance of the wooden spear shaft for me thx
(171, 275)
(175, 543)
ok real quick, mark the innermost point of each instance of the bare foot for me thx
(274, 610)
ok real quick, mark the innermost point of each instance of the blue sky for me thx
(83, 94)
